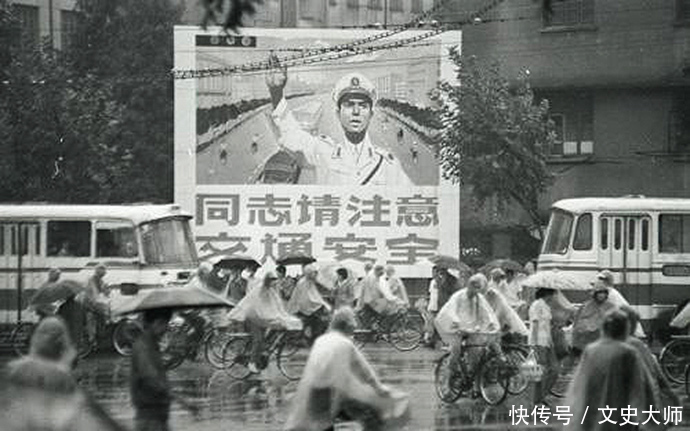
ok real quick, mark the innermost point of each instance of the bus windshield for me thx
(168, 241)
(558, 232)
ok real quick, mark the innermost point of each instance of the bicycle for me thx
(402, 329)
(674, 358)
(289, 348)
(491, 374)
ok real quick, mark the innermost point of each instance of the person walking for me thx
(344, 289)
(540, 338)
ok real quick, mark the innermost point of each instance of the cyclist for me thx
(308, 304)
(510, 322)
(376, 299)
(96, 301)
(589, 318)
(261, 309)
(467, 312)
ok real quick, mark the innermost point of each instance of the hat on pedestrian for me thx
(606, 276)
(355, 84)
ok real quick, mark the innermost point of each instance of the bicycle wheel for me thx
(214, 342)
(566, 372)
(292, 355)
(125, 334)
(493, 381)
(405, 334)
(21, 337)
(673, 359)
(518, 382)
(448, 387)
(236, 354)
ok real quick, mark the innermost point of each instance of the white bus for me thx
(141, 245)
(644, 242)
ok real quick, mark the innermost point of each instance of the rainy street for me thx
(261, 403)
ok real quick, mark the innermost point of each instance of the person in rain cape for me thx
(509, 290)
(39, 392)
(508, 318)
(664, 396)
(605, 277)
(308, 303)
(589, 318)
(467, 312)
(338, 382)
(611, 376)
(376, 299)
(396, 286)
(345, 287)
(262, 308)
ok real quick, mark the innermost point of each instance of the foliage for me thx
(495, 136)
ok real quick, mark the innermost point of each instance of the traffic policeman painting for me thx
(351, 160)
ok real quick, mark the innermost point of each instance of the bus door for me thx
(625, 249)
(22, 256)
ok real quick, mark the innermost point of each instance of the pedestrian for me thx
(589, 318)
(150, 389)
(430, 335)
(262, 308)
(664, 395)
(223, 155)
(338, 383)
(541, 340)
(39, 391)
(285, 284)
(350, 160)
(414, 151)
(255, 143)
(611, 378)
(344, 289)
(42, 309)
(605, 278)
(96, 302)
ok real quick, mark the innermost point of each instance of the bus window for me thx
(69, 238)
(558, 232)
(617, 234)
(645, 235)
(583, 233)
(604, 233)
(115, 239)
(631, 234)
(168, 241)
(672, 231)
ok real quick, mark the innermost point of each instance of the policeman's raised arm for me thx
(276, 78)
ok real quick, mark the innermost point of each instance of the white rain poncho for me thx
(467, 315)
(506, 315)
(306, 298)
(336, 372)
(262, 305)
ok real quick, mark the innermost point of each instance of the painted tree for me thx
(495, 136)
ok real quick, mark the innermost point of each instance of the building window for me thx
(68, 27)
(569, 13)
(353, 4)
(309, 9)
(679, 122)
(376, 4)
(28, 20)
(395, 5)
(417, 6)
(573, 119)
(683, 10)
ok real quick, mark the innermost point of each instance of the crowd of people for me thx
(616, 367)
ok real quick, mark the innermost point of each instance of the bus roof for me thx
(628, 204)
(136, 213)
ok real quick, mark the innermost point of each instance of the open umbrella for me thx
(233, 261)
(170, 297)
(58, 291)
(295, 259)
(554, 279)
(449, 262)
(504, 264)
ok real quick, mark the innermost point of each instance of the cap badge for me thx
(355, 82)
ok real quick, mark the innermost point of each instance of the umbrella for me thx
(504, 264)
(58, 291)
(233, 261)
(170, 297)
(449, 262)
(295, 259)
(554, 280)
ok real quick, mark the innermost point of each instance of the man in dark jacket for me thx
(150, 390)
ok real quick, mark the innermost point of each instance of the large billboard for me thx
(329, 155)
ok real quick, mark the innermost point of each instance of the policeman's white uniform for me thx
(341, 163)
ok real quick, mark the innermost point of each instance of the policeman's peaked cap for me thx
(354, 83)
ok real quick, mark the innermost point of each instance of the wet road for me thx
(262, 402)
